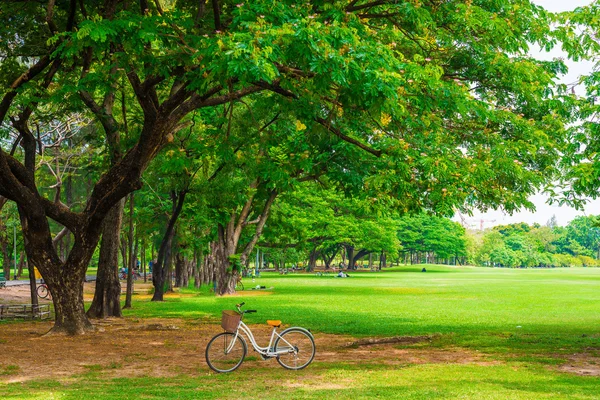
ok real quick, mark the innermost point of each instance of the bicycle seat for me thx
(274, 323)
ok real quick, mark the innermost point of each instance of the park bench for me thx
(2, 280)
(24, 311)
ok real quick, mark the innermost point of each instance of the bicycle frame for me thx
(265, 351)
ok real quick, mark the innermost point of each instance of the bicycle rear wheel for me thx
(239, 286)
(42, 291)
(225, 352)
(299, 347)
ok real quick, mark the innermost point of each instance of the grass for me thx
(9, 369)
(524, 321)
(433, 381)
(493, 310)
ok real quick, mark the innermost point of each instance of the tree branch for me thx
(196, 101)
(338, 133)
(28, 75)
(353, 7)
(259, 227)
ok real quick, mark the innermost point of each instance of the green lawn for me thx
(525, 322)
(552, 310)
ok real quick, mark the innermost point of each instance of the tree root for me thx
(389, 340)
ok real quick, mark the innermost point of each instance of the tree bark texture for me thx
(107, 296)
(350, 256)
(179, 269)
(5, 254)
(227, 243)
(312, 261)
(32, 286)
(132, 250)
(21, 264)
(197, 263)
(382, 261)
(160, 269)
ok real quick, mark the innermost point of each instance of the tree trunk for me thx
(159, 270)
(67, 296)
(5, 254)
(132, 254)
(32, 286)
(107, 296)
(143, 258)
(69, 199)
(189, 270)
(225, 276)
(350, 251)
(4, 242)
(196, 264)
(21, 264)
(207, 273)
(327, 259)
(227, 242)
(312, 261)
(170, 264)
(180, 270)
(370, 260)
(360, 254)
(382, 260)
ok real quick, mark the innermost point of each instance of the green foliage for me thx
(429, 234)
(234, 263)
(522, 245)
(581, 161)
(444, 92)
(314, 217)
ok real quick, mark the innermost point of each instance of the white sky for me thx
(544, 211)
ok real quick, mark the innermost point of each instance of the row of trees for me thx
(204, 114)
(523, 245)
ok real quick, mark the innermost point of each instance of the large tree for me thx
(437, 99)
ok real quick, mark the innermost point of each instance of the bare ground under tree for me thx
(134, 347)
(169, 347)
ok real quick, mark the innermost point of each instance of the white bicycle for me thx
(294, 348)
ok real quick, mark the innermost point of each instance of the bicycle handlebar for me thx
(239, 307)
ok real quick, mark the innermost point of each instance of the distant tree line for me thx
(526, 246)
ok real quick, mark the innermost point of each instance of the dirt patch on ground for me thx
(391, 340)
(582, 364)
(169, 347)
(18, 295)
(22, 295)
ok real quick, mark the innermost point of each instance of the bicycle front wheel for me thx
(297, 346)
(42, 291)
(239, 286)
(225, 352)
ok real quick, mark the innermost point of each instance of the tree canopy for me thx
(414, 105)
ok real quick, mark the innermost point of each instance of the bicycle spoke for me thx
(225, 352)
(296, 349)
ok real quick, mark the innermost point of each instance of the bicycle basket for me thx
(230, 320)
